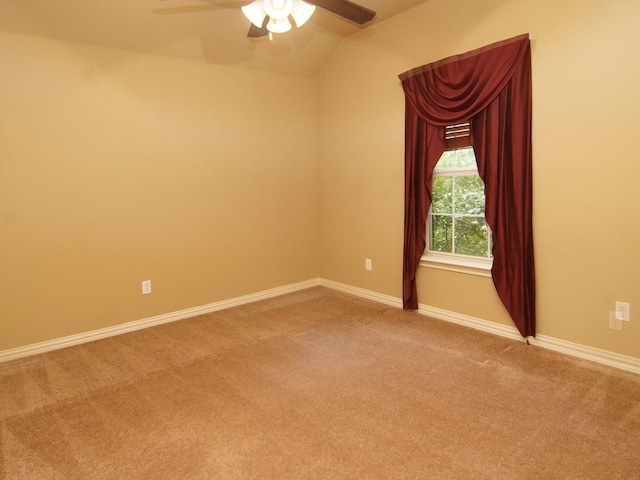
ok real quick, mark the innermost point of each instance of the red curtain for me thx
(492, 88)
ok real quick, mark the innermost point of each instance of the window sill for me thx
(457, 263)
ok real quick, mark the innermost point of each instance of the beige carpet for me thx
(315, 385)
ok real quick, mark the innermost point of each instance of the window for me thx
(458, 237)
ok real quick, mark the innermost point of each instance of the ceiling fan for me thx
(272, 16)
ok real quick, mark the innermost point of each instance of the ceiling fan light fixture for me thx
(301, 12)
(272, 16)
(255, 12)
(278, 25)
(278, 9)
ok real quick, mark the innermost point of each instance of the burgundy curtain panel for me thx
(491, 87)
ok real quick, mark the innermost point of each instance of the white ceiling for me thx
(211, 31)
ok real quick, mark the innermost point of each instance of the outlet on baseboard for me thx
(146, 287)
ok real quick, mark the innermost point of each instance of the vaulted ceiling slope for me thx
(210, 31)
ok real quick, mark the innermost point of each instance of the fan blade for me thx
(184, 9)
(255, 32)
(208, 5)
(346, 9)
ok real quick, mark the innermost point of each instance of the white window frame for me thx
(455, 262)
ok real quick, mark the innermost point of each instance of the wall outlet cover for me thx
(613, 323)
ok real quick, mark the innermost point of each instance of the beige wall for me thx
(586, 74)
(117, 168)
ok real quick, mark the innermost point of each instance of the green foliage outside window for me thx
(457, 213)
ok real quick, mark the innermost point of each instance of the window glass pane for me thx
(447, 160)
(472, 236)
(442, 240)
(469, 194)
(458, 207)
(465, 157)
(442, 195)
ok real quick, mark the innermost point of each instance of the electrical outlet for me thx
(367, 264)
(623, 311)
(146, 287)
(613, 323)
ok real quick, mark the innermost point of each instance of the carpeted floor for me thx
(315, 385)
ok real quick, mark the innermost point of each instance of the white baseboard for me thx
(604, 357)
(360, 292)
(93, 335)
